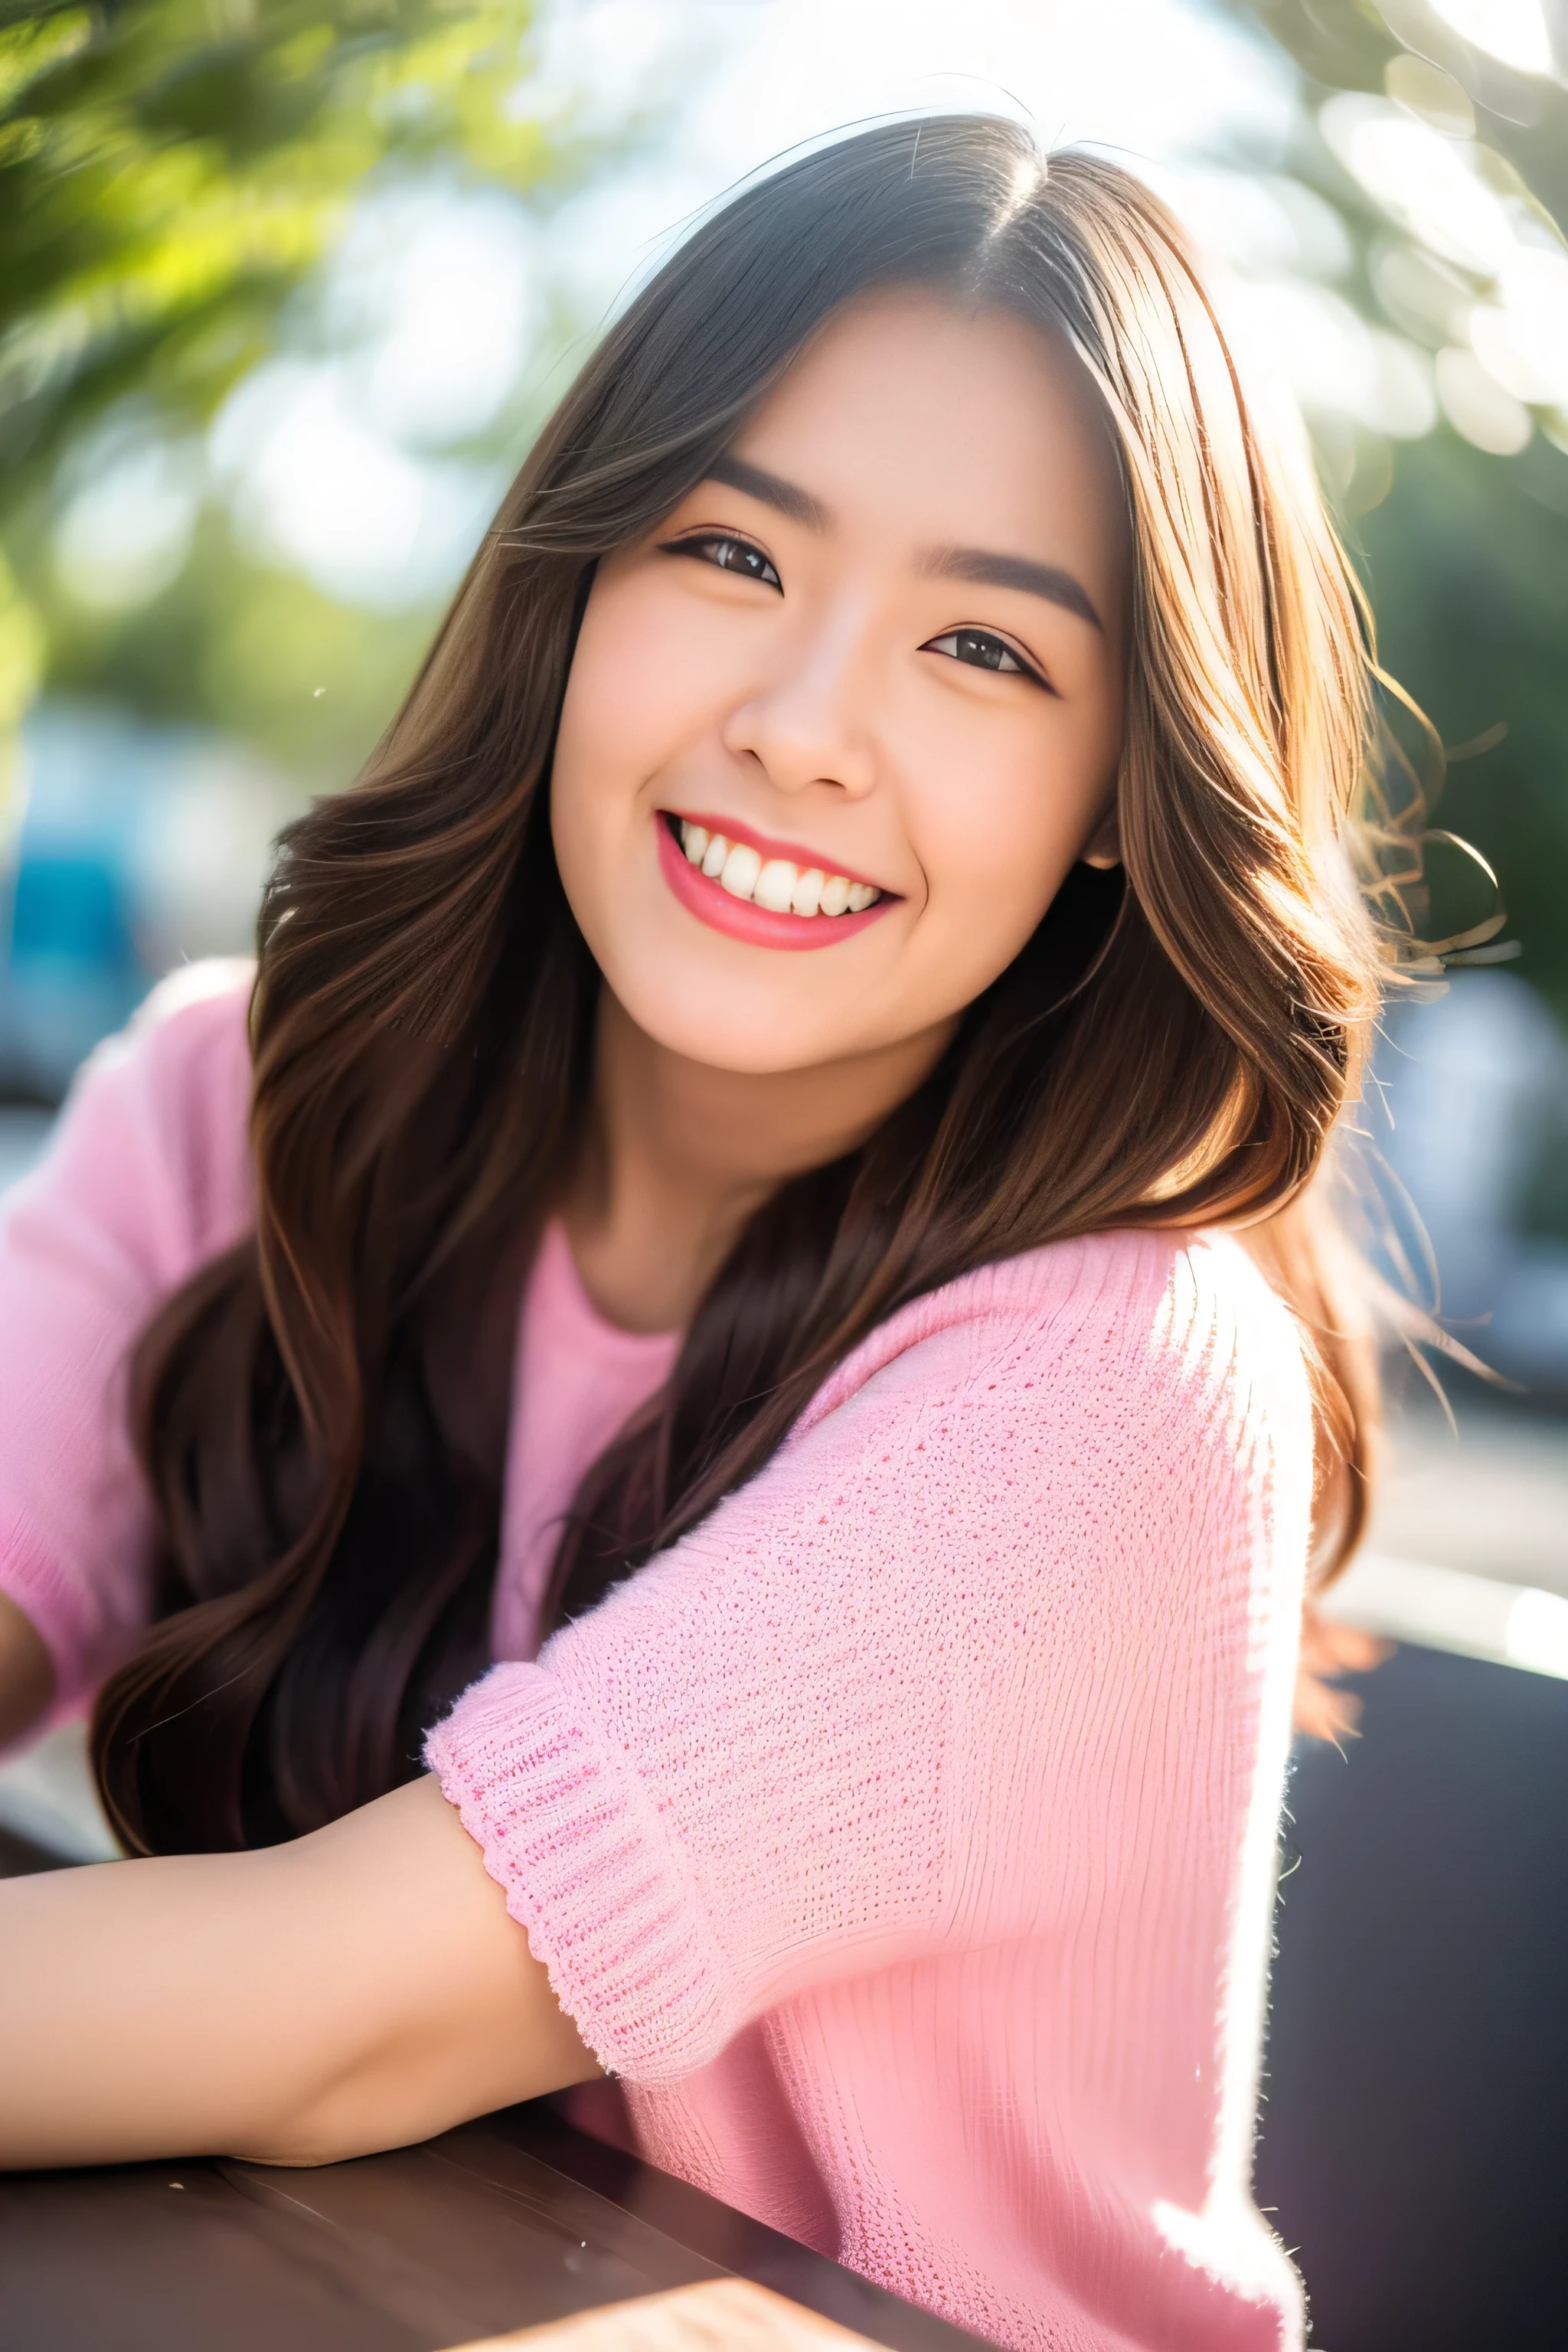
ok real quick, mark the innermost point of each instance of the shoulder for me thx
(194, 1024)
(1132, 1408)
(153, 1139)
(1149, 1328)
(182, 1064)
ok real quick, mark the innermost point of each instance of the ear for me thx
(1103, 847)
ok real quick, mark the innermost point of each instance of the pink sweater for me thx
(904, 1838)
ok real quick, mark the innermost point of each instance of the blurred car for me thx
(139, 847)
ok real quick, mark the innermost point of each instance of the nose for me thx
(813, 720)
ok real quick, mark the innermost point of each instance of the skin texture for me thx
(365, 1987)
(357, 1990)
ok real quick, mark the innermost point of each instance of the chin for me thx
(727, 1006)
(752, 1023)
(756, 1045)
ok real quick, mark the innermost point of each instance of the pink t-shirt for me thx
(579, 1379)
(902, 1838)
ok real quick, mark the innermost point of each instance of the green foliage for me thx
(170, 173)
(1468, 570)
(1466, 554)
(1350, 44)
(169, 170)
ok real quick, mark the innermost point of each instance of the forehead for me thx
(930, 422)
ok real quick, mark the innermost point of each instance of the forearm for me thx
(357, 1990)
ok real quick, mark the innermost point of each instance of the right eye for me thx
(727, 554)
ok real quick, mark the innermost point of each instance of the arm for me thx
(27, 1673)
(357, 1990)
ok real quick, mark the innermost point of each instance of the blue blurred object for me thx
(74, 908)
(71, 971)
(139, 846)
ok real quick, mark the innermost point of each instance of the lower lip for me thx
(759, 927)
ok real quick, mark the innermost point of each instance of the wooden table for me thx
(501, 2224)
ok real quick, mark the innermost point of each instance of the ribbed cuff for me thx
(592, 1871)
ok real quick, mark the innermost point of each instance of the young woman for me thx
(725, 1165)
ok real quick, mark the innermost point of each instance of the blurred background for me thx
(288, 283)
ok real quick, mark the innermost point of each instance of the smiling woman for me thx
(867, 645)
(818, 1386)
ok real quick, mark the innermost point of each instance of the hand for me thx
(359, 1989)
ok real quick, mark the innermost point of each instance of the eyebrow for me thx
(756, 482)
(980, 566)
(987, 570)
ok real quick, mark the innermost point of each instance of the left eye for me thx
(730, 555)
(980, 649)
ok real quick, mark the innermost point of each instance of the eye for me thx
(981, 650)
(728, 554)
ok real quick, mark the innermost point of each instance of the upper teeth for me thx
(775, 883)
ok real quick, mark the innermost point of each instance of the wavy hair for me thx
(322, 1412)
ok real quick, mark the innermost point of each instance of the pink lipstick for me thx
(704, 896)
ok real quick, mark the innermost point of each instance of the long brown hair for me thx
(318, 1412)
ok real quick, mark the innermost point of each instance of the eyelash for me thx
(727, 542)
(1012, 665)
(758, 567)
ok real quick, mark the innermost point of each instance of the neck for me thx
(679, 1154)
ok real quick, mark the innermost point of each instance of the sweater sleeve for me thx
(1027, 1557)
(144, 1180)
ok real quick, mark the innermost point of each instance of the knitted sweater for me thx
(902, 1838)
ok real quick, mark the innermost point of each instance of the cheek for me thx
(635, 694)
(609, 739)
(996, 835)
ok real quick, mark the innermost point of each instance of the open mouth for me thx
(734, 881)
